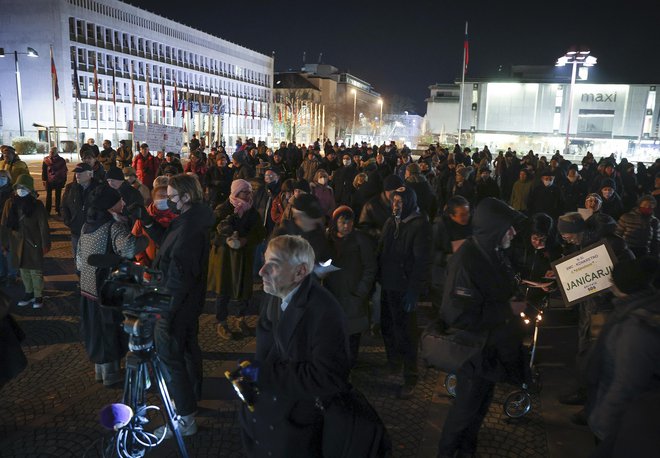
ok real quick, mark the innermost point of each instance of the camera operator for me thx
(183, 259)
(105, 231)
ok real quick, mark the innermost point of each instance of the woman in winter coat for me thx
(7, 270)
(105, 231)
(355, 255)
(160, 211)
(25, 235)
(323, 192)
(639, 228)
(281, 202)
(238, 231)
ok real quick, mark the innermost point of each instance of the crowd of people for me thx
(472, 232)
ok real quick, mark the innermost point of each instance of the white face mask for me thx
(323, 180)
(161, 204)
(548, 182)
(346, 162)
(22, 192)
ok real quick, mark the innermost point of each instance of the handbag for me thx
(448, 349)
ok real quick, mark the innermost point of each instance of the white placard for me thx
(159, 137)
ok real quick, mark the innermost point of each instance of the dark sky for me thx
(401, 48)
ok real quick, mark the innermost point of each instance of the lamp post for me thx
(354, 92)
(30, 53)
(574, 58)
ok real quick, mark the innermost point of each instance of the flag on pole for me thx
(183, 113)
(148, 89)
(76, 83)
(132, 88)
(175, 100)
(53, 74)
(162, 89)
(253, 109)
(466, 49)
(96, 83)
(114, 88)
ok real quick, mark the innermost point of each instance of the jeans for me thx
(224, 303)
(459, 433)
(399, 329)
(49, 197)
(178, 347)
(33, 280)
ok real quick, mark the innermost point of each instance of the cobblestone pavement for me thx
(51, 409)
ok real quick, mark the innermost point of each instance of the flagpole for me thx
(52, 87)
(96, 96)
(460, 108)
(114, 102)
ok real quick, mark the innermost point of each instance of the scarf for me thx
(240, 205)
(21, 207)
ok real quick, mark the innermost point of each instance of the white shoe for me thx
(187, 427)
(38, 303)
(27, 300)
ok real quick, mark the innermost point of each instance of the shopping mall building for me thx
(532, 112)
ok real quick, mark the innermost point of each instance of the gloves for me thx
(137, 211)
(410, 301)
(250, 371)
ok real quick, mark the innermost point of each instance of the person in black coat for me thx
(217, 181)
(404, 259)
(546, 197)
(479, 287)
(486, 186)
(301, 357)
(183, 258)
(426, 200)
(612, 203)
(342, 181)
(573, 190)
(129, 194)
(170, 161)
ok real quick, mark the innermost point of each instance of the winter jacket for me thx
(16, 168)
(374, 215)
(640, 232)
(573, 195)
(520, 194)
(75, 205)
(326, 198)
(124, 156)
(307, 169)
(145, 169)
(29, 241)
(54, 171)
(164, 218)
(486, 188)
(342, 183)
(217, 182)
(613, 206)
(315, 237)
(545, 199)
(108, 158)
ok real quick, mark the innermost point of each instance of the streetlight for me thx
(354, 108)
(574, 58)
(380, 120)
(31, 52)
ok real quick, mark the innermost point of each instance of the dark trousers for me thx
(353, 347)
(225, 306)
(459, 433)
(49, 196)
(179, 349)
(399, 329)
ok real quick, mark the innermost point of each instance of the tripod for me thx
(142, 366)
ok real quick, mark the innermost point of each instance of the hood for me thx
(491, 220)
(409, 199)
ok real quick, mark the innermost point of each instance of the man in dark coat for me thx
(53, 175)
(479, 285)
(405, 250)
(129, 194)
(342, 180)
(170, 161)
(74, 201)
(546, 198)
(301, 357)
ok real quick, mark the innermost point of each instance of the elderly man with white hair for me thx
(301, 358)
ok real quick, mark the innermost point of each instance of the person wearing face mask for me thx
(342, 180)
(129, 194)
(7, 271)
(546, 197)
(101, 327)
(237, 234)
(160, 211)
(479, 287)
(25, 235)
(404, 258)
(12, 163)
(183, 257)
(74, 201)
(573, 190)
(323, 191)
(612, 204)
(639, 228)
(131, 178)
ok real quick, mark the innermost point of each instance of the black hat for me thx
(308, 204)
(392, 183)
(115, 173)
(169, 170)
(571, 223)
(547, 172)
(83, 167)
(104, 197)
(607, 183)
(631, 276)
(303, 185)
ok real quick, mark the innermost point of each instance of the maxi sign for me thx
(585, 273)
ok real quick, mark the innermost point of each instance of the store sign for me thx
(585, 273)
(598, 97)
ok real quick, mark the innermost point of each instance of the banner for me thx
(585, 273)
(159, 137)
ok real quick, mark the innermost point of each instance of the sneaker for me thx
(406, 391)
(187, 427)
(223, 331)
(38, 303)
(27, 300)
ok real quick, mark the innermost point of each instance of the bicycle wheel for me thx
(450, 385)
(517, 404)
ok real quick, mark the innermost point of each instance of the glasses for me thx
(171, 197)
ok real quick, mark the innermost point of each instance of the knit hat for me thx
(607, 183)
(26, 181)
(571, 223)
(115, 173)
(302, 185)
(631, 276)
(128, 172)
(596, 197)
(104, 197)
(392, 183)
(342, 210)
(308, 204)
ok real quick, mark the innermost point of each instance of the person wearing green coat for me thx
(24, 233)
(12, 163)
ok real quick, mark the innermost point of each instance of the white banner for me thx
(159, 137)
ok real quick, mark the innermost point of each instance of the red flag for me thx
(279, 113)
(53, 74)
(466, 49)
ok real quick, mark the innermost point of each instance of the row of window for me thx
(106, 64)
(119, 41)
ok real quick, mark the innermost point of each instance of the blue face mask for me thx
(3, 181)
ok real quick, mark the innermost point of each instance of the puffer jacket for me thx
(640, 232)
(54, 171)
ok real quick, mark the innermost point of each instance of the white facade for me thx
(113, 35)
(605, 118)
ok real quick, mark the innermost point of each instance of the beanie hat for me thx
(104, 197)
(302, 185)
(342, 210)
(392, 183)
(607, 183)
(308, 204)
(571, 223)
(26, 181)
(115, 173)
(542, 224)
(631, 276)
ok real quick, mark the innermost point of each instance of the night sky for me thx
(401, 48)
